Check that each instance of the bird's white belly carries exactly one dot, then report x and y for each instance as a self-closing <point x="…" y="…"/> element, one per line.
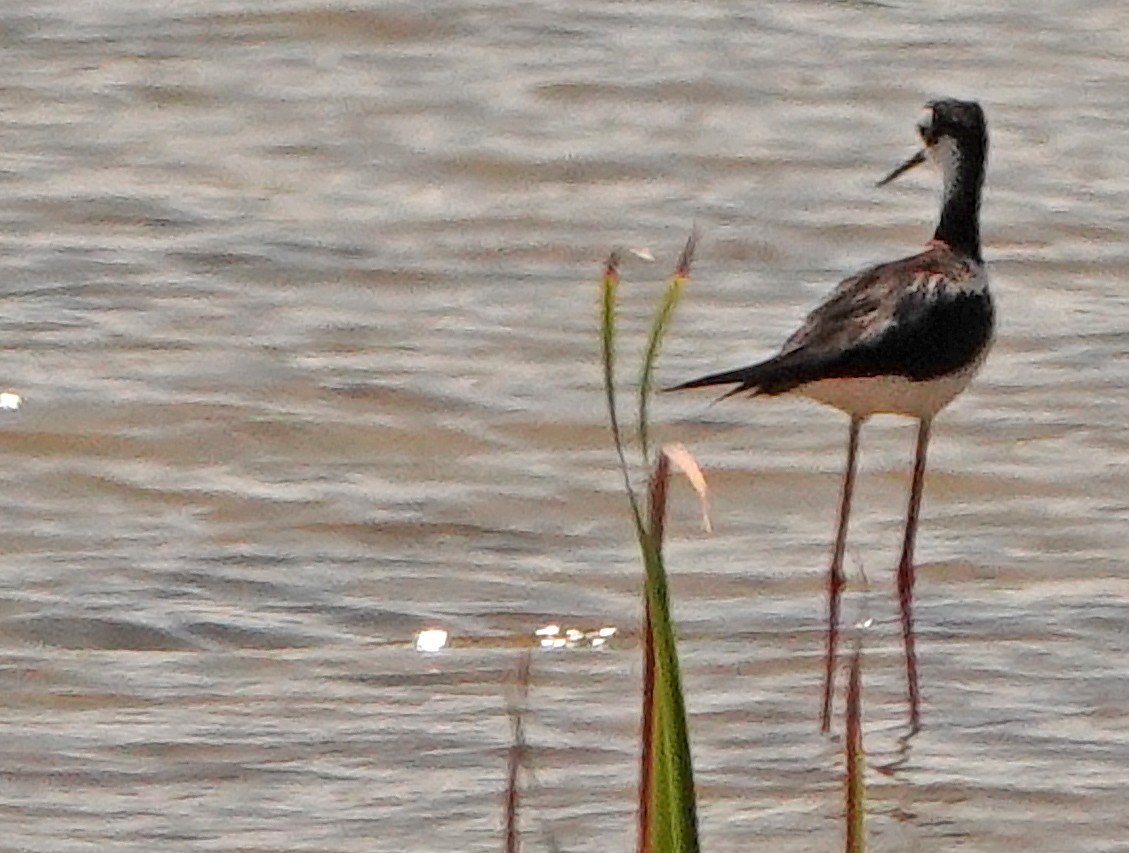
<point x="873" y="395"/>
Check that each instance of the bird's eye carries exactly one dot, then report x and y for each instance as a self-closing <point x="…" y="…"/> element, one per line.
<point x="926" y="126"/>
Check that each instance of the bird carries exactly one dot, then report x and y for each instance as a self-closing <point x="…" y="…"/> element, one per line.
<point x="904" y="337"/>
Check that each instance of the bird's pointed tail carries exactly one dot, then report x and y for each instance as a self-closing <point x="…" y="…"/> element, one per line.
<point x="775" y="376"/>
<point x="744" y="379"/>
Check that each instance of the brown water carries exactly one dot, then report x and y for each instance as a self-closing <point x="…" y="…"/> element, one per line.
<point x="301" y="303"/>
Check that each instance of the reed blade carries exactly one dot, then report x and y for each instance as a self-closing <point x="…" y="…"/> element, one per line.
<point x="855" y="758"/>
<point x="672" y="806"/>
<point x="659" y="327"/>
<point x="668" y="821"/>
<point x="517" y="755"/>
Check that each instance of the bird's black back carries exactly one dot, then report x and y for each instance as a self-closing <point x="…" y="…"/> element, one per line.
<point x="919" y="317"/>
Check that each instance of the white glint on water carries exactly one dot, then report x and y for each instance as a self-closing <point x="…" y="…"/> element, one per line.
<point x="556" y="637"/>
<point x="431" y="640"/>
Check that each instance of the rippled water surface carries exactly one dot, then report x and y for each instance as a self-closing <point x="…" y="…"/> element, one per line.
<point x="300" y="299"/>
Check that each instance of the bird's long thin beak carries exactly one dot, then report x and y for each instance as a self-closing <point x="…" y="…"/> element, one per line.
<point x="916" y="160"/>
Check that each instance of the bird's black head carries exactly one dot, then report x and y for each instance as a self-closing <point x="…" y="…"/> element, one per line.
<point x="951" y="130"/>
<point x="961" y="121"/>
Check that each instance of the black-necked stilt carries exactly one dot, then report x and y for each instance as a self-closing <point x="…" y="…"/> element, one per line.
<point x="905" y="337"/>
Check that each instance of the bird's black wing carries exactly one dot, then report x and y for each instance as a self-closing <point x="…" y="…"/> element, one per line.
<point x="885" y="320"/>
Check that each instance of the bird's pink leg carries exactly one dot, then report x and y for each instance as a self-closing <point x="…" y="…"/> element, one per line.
<point x="905" y="572"/>
<point x="835" y="578"/>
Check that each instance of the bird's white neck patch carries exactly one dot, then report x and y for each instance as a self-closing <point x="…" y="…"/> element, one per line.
<point x="945" y="154"/>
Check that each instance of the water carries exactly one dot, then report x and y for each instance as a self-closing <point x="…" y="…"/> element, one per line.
<point x="301" y="303"/>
